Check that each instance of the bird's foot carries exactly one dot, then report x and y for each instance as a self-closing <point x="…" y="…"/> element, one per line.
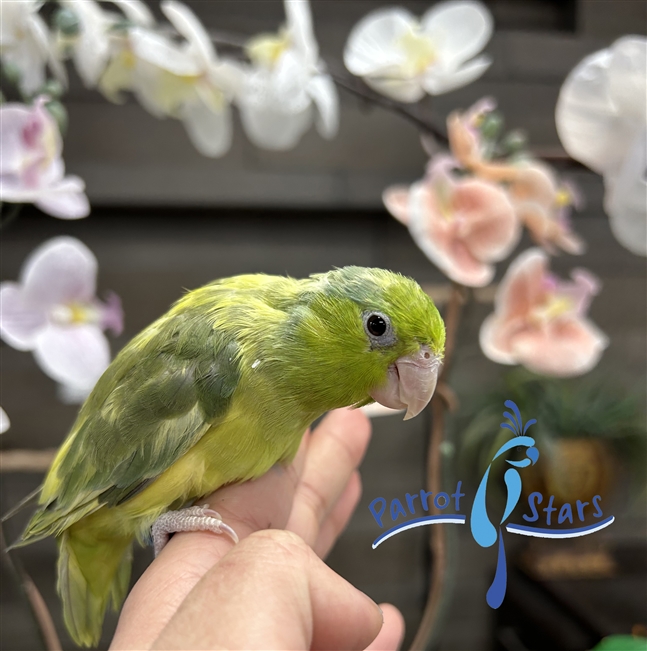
<point x="195" y="518"/>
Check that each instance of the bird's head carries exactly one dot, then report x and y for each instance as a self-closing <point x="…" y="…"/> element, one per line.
<point x="368" y="334"/>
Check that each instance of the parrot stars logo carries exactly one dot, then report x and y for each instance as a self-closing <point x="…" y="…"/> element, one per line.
<point x="484" y="532"/>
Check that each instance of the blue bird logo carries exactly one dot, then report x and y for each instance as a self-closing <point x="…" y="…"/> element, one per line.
<point x="483" y="531"/>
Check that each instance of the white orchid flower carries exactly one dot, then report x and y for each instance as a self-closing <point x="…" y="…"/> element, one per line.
<point x="601" y="119"/>
<point x="286" y="83"/>
<point x="53" y="312"/>
<point x="5" y="424"/>
<point x="403" y="57"/>
<point x="31" y="167"/>
<point x="188" y="82"/>
<point x="25" y="43"/>
<point x="98" y="42"/>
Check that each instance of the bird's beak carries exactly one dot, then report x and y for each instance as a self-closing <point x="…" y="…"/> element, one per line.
<point x="410" y="383"/>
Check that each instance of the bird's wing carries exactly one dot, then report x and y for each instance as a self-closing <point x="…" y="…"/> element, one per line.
<point x="156" y="400"/>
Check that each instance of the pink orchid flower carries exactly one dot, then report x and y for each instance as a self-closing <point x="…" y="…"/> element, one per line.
<point x="539" y="321"/>
<point x="541" y="202"/>
<point x="54" y="313"/>
<point x="31" y="167"/>
<point x="462" y="225"/>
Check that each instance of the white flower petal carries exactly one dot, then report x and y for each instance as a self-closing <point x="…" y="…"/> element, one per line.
<point x="372" y="47"/>
<point x="163" y="53"/>
<point x="625" y="200"/>
<point x="459" y="30"/>
<point x="437" y="82"/>
<point x="62" y="270"/>
<point x="628" y="78"/>
<point x="587" y="121"/>
<point x="210" y="131"/>
<point x="40" y="33"/>
<point x="273" y="129"/>
<point x="228" y="76"/>
<point x="288" y="83"/>
<point x="71" y="394"/>
<point x="65" y="199"/>
<point x="73" y="355"/>
<point x="29" y="61"/>
<point x="4" y="421"/>
<point x="299" y="22"/>
<point x="136" y="11"/>
<point x="188" y="25"/>
<point x="399" y="89"/>
<point x="21" y="320"/>
<point x="323" y="92"/>
<point x="92" y="48"/>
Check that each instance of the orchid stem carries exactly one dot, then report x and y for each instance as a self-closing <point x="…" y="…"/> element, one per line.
<point x="428" y="630"/>
<point x="360" y="90"/>
<point x="40" y="612"/>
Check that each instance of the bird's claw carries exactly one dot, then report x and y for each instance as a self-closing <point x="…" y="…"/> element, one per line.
<point x="194" y="518"/>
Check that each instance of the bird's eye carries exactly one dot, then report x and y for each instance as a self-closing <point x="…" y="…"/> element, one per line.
<point x="376" y="325"/>
<point x="378" y="328"/>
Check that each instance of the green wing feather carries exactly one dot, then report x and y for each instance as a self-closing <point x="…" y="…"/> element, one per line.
<point x="156" y="400"/>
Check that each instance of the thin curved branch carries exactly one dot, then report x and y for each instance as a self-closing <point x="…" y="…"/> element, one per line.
<point x="42" y="616"/>
<point x="357" y="88"/>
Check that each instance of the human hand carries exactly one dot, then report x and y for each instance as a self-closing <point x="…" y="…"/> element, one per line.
<point x="270" y="590"/>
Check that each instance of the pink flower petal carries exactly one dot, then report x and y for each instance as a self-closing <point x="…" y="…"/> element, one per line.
<point x="464" y="268"/>
<point x="495" y="337"/>
<point x="437" y="236"/>
<point x="396" y="201"/>
<point x="21" y="320"/>
<point x="567" y="347"/>
<point x="112" y="314"/>
<point x="29" y="135"/>
<point x="464" y="141"/>
<point x="62" y="270"/>
<point x="533" y="182"/>
<point x="491" y="229"/>
<point x="73" y="355"/>
<point x="523" y="287"/>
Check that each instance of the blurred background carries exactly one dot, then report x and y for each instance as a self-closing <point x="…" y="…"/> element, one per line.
<point x="165" y="219"/>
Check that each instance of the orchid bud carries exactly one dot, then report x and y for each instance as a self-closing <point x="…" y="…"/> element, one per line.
<point x="491" y="125"/>
<point x="67" y="22"/>
<point x="11" y="73"/>
<point x="52" y="88"/>
<point x="514" y="141"/>
<point x="59" y="113"/>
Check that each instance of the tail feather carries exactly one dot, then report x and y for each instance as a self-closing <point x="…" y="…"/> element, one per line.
<point x="91" y="571"/>
<point x="25" y="501"/>
<point x="121" y="582"/>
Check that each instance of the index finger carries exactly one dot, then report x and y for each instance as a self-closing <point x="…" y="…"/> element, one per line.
<point x="335" y="450"/>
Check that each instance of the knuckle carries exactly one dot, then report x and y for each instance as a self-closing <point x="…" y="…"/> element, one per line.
<point x="279" y="543"/>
